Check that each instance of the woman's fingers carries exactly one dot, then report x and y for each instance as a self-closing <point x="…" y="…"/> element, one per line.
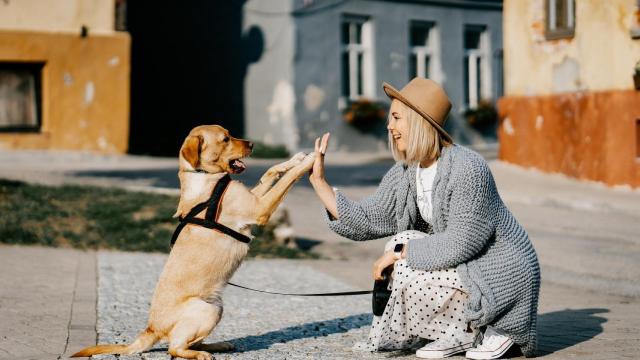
<point x="325" y="142"/>
<point x="317" y="147"/>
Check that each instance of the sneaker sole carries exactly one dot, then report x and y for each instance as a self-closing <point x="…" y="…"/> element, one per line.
<point x="487" y="355"/>
<point x="439" y="354"/>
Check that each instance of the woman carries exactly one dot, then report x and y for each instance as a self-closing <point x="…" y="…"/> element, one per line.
<point x="465" y="275"/>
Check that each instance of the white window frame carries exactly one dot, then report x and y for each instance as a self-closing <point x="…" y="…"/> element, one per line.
<point x="431" y="50"/>
<point x="552" y="31"/>
<point x="365" y="48"/>
<point x="472" y="55"/>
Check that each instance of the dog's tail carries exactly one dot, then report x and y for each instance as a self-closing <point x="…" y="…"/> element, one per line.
<point x="145" y="340"/>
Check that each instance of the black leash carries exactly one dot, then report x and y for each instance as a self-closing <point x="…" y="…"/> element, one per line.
<point x="210" y="220"/>
<point x="360" y="292"/>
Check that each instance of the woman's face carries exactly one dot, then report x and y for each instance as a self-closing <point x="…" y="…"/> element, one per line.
<point x="398" y="125"/>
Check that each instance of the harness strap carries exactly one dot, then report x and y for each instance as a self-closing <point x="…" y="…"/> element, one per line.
<point x="210" y="220"/>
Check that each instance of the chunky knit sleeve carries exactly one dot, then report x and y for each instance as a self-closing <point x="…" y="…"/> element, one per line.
<point x="371" y="218"/>
<point x="470" y="223"/>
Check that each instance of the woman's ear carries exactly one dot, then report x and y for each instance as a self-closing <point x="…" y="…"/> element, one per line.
<point x="191" y="150"/>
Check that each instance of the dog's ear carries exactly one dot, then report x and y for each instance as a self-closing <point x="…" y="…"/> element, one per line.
<point x="191" y="150"/>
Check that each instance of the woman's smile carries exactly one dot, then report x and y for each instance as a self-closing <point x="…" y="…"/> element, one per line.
<point x="397" y="125"/>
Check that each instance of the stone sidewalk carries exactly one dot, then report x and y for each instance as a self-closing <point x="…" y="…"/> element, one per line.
<point x="586" y="236"/>
<point x="47" y="301"/>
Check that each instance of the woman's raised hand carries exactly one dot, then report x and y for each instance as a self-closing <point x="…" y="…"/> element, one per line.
<point x="317" y="171"/>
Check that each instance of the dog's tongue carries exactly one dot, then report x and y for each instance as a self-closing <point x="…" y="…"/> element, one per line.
<point x="239" y="166"/>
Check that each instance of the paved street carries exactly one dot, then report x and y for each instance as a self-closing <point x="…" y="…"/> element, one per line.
<point x="586" y="236"/>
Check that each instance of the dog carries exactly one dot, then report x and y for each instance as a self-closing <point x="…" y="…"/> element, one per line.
<point x="187" y="301"/>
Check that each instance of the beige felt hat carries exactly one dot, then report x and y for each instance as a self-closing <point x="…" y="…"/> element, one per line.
<point x="425" y="97"/>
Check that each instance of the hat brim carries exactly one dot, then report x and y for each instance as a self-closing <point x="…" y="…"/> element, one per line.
<point x="393" y="93"/>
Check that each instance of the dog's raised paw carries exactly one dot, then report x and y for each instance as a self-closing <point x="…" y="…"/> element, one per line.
<point x="298" y="157"/>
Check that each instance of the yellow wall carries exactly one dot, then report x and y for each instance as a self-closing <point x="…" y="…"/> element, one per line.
<point x="57" y="15"/>
<point x="601" y="55"/>
<point x="85" y="88"/>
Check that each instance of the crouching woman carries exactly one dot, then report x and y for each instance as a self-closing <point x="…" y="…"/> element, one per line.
<point x="465" y="275"/>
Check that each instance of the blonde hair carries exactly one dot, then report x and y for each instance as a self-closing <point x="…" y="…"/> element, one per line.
<point x="424" y="142"/>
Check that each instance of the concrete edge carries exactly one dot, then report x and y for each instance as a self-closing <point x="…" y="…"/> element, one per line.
<point x="82" y="325"/>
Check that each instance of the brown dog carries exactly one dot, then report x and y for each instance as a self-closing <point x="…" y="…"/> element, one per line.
<point x="187" y="302"/>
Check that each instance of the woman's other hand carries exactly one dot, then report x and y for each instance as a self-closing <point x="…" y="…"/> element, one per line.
<point x="316" y="174"/>
<point x="386" y="260"/>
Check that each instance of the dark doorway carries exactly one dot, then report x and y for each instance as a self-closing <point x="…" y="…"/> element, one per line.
<point x="188" y="63"/>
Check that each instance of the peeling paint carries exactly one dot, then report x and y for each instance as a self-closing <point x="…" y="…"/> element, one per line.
<point x="113" y="61"/>
<point x="313" y="97"/>
<point x="67" y="79"/>
<point x="281" y="113"/>
<point x="89" y="92"/>
<point x="103" y="143"/>
<point x="566" y="76"/>
<point x="539" y="122"/>
<point x="508" y="127"/>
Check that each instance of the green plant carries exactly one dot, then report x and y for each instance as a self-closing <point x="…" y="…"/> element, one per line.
<point x="266" y="151"/>
<point x="364" y="114"/>
<point x="87" y="217"/>
<point x="482" y="117"/>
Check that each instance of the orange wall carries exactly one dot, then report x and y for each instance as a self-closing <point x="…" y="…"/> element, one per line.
<point x="85" y="90"/>
<point x="587" y="135"/>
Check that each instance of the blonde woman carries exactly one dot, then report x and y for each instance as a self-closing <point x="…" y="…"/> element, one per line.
<point x="465" y="275"/>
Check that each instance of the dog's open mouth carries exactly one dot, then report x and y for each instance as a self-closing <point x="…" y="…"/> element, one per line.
<point x="237" y="166"/>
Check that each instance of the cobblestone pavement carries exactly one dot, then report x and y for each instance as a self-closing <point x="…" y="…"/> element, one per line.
<point x="573" y="323"/>
<point x="261" y="326"/>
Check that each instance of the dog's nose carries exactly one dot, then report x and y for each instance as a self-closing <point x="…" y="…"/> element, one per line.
<point x="250" y="145"/>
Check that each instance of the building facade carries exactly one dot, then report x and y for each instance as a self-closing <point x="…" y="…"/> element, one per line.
<point x="320" y="57"/>
<point x="64" y="76"/>
<point x="570" y="105"/>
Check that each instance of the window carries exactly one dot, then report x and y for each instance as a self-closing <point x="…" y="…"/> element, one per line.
<point x="477" y="69"/>
<point x="424" y="59"/>
<point x="560" y="19"/>
<point x="20" y="96"/>
<point x="357" y="65"/>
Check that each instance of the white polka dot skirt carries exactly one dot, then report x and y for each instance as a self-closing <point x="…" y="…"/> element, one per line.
<point x="423" y="305"/>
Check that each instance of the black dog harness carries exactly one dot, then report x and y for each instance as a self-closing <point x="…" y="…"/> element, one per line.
<point x="210" y="220"/>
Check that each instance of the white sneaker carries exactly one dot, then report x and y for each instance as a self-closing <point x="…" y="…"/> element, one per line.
<point x="442" y="348"/>
<point x="494" y="344"/>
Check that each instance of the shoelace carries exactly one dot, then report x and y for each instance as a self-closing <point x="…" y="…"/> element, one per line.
<point x="492" y="341"/>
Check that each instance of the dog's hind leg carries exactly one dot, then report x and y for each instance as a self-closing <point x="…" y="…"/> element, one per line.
<point x="197" y="320"/>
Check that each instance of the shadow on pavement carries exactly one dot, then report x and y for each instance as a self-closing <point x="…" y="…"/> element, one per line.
<point x="561" y="329"/>
<point x="337" y="175"/>
<point x="308" y="330"/>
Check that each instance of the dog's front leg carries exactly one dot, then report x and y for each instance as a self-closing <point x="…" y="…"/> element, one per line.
<point x="267" y="204"/>
<point x="275" y="173"/>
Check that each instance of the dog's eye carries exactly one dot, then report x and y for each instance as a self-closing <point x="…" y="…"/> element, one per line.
<point x="226" y="139"/>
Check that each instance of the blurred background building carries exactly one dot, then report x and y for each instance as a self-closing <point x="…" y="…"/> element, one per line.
<point x="324" y="61"/>
<point x="64" y="76"/>
<point x="570" y="105"/>
<point x="120" y="76"/>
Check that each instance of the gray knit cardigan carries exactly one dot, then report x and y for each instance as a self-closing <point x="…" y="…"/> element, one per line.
<point x="472" y="231"/>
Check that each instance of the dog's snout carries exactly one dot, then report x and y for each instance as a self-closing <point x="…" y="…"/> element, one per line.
<point x="250" y="145"/>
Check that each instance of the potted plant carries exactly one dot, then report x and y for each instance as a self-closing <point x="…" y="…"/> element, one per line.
<point x="636" y="76"/>
<point x="483" y="117"/>
<point x="365" y="115"/>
